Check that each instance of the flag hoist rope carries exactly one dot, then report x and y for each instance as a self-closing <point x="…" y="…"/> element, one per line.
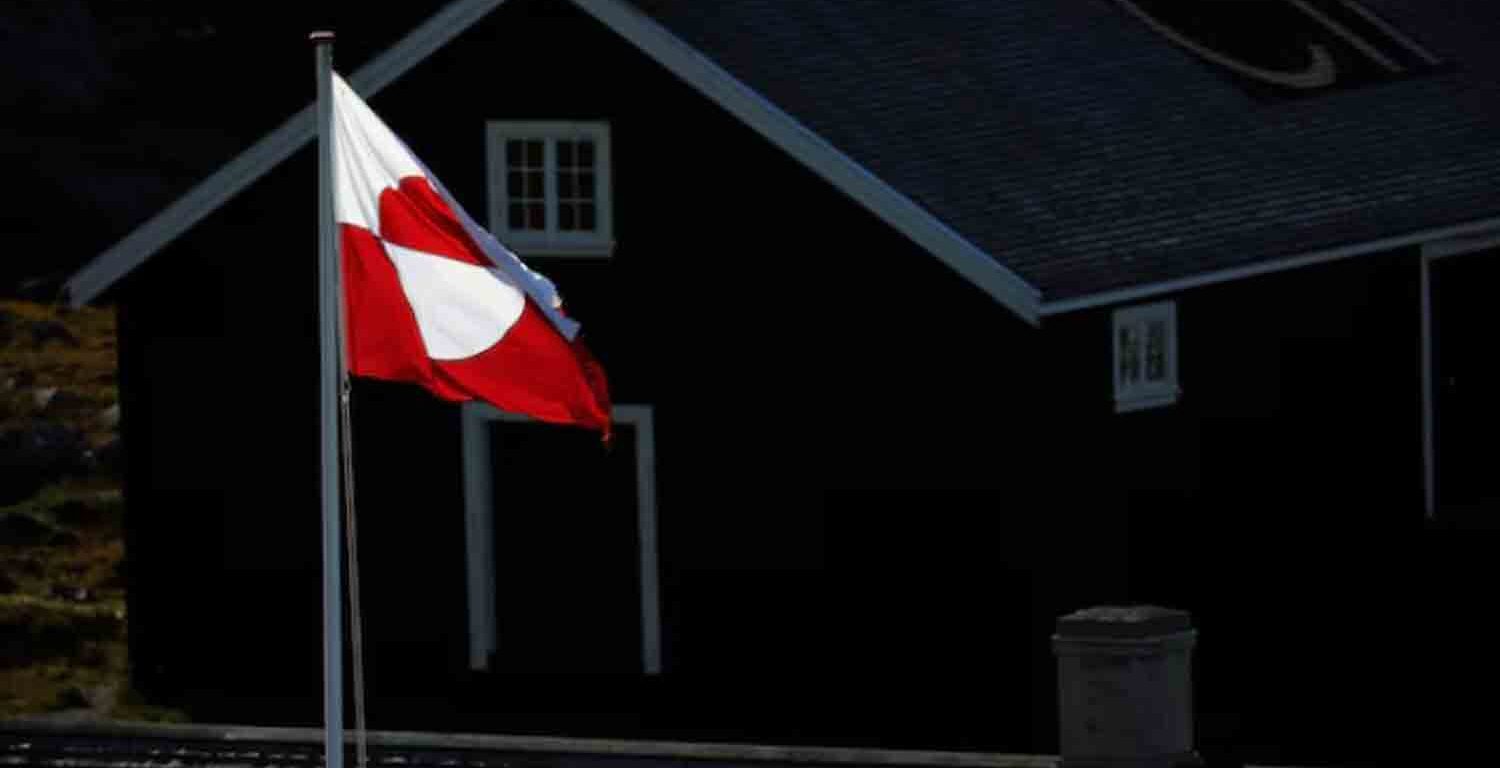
<point x="356" y="619"/>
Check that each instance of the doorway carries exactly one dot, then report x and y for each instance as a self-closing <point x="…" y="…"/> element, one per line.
<point x="561" y="548"/>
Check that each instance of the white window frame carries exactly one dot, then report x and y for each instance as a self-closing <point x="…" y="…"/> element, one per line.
<point x="1143" y="393"/>
<point x="552" y="241"/>
<point x="479" y="509"/>
<point x="1431" y="252"/>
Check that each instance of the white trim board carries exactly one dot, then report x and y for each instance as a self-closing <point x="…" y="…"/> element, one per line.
<point x="552" y="239"/>
<point x="1431" y="252"/>
<point x="1135" y="293"/>
<point x="479" y="505"/>
<point x="249" y="166"/>
<point x="652" y="39"/>
<point x="821" y="157"/>
<point x="1429" y="462"/>
<point x="702" y="74"/>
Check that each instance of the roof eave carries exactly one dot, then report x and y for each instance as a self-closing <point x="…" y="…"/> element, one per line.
<point x="688" y="64"/>
<point x="249" y="166"/>
<point x="1149" y="290"/>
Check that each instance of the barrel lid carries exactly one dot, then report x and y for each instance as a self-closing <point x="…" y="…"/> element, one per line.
<point x="1124" y="621"/>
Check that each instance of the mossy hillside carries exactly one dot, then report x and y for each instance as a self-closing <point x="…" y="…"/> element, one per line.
<point x="62" y="574"/>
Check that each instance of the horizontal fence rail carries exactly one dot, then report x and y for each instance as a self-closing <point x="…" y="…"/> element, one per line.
<point x="43" y="744"/>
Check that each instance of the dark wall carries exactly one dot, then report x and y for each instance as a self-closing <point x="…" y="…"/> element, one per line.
<point x="813" y="374"/>
<point x="1272" y="498"/>
<point x="1454" y="571"/>
<point x="876" y="486"/>
<point x="797" y="361"/>
<point x="218" y="380"/>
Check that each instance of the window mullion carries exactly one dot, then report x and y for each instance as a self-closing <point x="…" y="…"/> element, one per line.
<point x="545" y="234"/>
<point x="498" y="170"/>
<point x="549" y="185"/>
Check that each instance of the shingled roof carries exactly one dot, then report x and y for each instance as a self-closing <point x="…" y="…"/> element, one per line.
<point x="1057" y="153"/>
<point x="1087" y="153"/>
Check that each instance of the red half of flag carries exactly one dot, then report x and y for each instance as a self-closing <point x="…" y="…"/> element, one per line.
<point x="427" y="303"/>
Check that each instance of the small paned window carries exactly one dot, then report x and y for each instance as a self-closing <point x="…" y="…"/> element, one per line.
<point x="550" y="188"/>
<point x="1145" y="356"/>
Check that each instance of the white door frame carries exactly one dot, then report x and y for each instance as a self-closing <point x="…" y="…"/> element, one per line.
<point x="1432" y="251"/>
<point x="479" y="507"/>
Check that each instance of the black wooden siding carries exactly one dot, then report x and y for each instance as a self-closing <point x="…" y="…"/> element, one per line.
<point x="876" y="486"/>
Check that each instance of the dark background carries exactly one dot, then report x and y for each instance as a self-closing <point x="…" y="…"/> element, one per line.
<point x="112" y="109"/>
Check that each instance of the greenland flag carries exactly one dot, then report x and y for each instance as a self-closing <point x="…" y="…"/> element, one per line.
<point x="432" y="298"/>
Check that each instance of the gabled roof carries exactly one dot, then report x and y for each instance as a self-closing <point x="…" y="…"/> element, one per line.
<point x="249" y="166"/>
<point x="891" y="205"/>
<point x="1088" y="153"/>
<point x="1057" y="153"/>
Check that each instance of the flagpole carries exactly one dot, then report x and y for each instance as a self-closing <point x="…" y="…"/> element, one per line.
<point x="328" y="347"/>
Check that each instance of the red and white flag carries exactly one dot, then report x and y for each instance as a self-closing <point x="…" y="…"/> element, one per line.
<point x="432" y="298"/>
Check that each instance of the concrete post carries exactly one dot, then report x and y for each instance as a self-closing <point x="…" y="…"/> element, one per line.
<point x="1125" y="688"/>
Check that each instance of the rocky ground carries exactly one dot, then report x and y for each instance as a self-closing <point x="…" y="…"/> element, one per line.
<point x="62" y="581"/>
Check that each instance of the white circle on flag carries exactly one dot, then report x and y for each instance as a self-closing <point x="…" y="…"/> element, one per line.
<point x="462" y="309"/>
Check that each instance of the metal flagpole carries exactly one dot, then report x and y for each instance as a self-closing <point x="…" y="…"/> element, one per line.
<point x="328" y="409"/>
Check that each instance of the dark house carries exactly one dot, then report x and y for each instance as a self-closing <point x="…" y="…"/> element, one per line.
<point x="927" y="322"/>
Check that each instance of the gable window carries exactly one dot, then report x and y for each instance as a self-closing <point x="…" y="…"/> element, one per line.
<point x="550" y="188"/>
<point x="1145" y="356"/>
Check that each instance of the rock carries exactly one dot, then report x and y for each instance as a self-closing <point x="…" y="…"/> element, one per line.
<point x="110" y="417"/>
<point x="53" y="399"/>
<point x="36" y="455"/>
<point x="71" y="594"/>
<point x="103" y="698"/>
<point x="43" y="331"/>
<point x="41" y="397"/>
<point x="23" y="529"/>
